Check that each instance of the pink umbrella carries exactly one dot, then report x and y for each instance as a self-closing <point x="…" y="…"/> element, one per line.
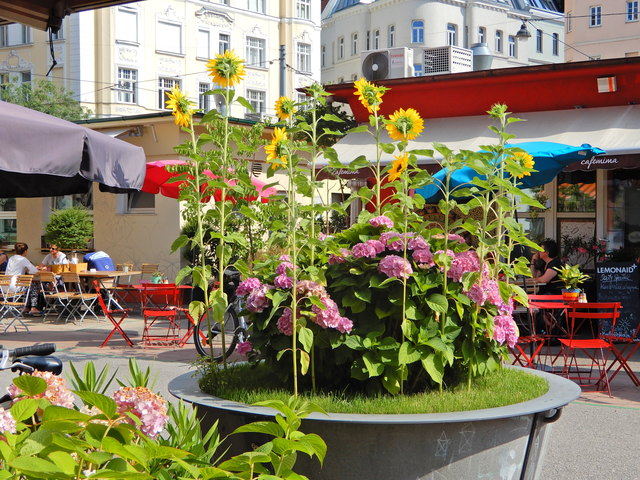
<point x="157" y="180"/>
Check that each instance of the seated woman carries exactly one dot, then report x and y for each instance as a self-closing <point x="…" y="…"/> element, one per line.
<point x="19" y="264"/>
<point x="543" y="266"/>
<point x="54" y="257"/>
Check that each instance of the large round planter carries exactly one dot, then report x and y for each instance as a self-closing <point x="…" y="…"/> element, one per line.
<point x="497" y="443"/>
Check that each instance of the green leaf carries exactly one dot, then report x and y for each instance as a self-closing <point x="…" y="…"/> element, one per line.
<point x="305" y="335"/>
<point x="305" y="361"/>
<point x="373" y="365"/>
<point x="35" y="465"/>
<point x="269" y="428"/>
<point x="36" y="442"/>
<point x="55" y="412"/>
<point x="24" y="409"/>
<point x="433" y="365"/>
<point x="408" y="354"/>
<point x="438" y="303"/>
<point x="63" y="460"/>
<point x="103" y="403"/>
<point x="243" y="101"/>
<point x="30" y="385"/>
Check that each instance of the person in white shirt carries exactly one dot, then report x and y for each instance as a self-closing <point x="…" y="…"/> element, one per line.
<point x="19" y="264"/>
<point x="54" y="257"/>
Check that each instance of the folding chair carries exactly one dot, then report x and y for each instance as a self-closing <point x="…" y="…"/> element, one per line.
<point x="14" y="296"/>
<point x="111" y="314"/>
<point x="161" y="311"/>
<point x="590" y="371"/>
<point x="631" y="344"/>
<point x="148" y="269"/>
<point x="78" y="298"/>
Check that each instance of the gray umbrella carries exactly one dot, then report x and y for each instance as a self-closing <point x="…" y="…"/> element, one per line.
<point x="45" y="156"/>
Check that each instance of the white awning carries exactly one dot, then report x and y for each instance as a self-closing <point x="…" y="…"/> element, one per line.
<point x="613" y="129"/>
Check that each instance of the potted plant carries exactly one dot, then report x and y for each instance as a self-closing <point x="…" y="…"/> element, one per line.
<point x="70" y="229"/>
<point x="157" y="277"/>
<point x="571" y="276"/>
<point x="390" y="306"/>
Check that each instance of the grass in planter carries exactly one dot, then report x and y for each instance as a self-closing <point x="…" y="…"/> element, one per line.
<point x="246" y="384"/>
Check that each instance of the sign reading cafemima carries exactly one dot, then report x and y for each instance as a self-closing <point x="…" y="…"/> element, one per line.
<point x="606" y="162"/>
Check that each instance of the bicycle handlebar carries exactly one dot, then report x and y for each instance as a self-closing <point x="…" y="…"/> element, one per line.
<point x="7" y="356"/>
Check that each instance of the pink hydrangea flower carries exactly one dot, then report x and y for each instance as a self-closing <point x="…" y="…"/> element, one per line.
<point x="323" y="236"/>
<point x="368" y="249"/>
<point x="309" y="288"/>
<point x="381" y="221"/>
<point x="329" y="317"/>
<point x="150" y="408"/>
<point x="423" y="257"/>
<point x="247" y="286"/>
<point x="340" y="258"/>
<point x="284" y="258"/>
<point x="7" y="422"/>
<point x="463" y="262"/>
<point x="344" y="325"/>
<point x="257" y="300"/>
<point x="57" y="392"/>
<point x="282" y="281"/>
<point x="244" y="347"/>
<point x="505" y="330"/>
<point x="394" y="266"/>
<point x="477" y="294"/>
<point x="417" y="243"/>
<point x="284" y="268"/>
<point x="285" y="322"/>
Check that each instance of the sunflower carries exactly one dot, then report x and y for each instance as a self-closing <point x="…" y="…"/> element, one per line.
<point x="405" y="124"/>
<point x="285" y="108"/>
<point x="524" y="163"/>
<point x="369" y="94"/>
<point x="399" y="165"/>
<point x="180" y="106"/>
<point x="226" y="69"/>
<point x="276" y="154"/>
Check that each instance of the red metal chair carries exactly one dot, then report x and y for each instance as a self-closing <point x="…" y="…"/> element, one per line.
<point x="111" y="314"/>
<point x="590" y="370"/>
<point x="161" y="310"/>
<point x="631" y="344"/>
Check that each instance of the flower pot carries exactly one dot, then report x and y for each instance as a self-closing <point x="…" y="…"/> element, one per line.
<point x="570" y="295"/>
<point x="472" y="444"/>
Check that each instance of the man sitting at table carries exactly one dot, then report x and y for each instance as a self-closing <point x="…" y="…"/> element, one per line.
<point x="54" y="257"/>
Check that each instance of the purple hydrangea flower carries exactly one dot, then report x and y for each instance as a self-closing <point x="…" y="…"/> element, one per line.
<point x="423" y="257"/>
<point x="257" y="300"/>
<point x="381" y="221"/>
<point x="283" y="281"/>
<point x="284" y="268"/>
<point x="309" y="288"/>
<point x="244" y="347"/>
<point x="394" y="266"/>
<point x="418" y="243"/>
<point x="285" y="322"/>
<point x="368" y="249"/>
<point x="247" y="286"/>
<point x="329" y="317"/>
<point x="463" y="262"/>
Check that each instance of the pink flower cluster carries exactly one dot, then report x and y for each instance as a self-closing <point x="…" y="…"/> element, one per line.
<point x="247" y="286"/>
<point x="394" y="240"/>
<point x="463" y="262"/>
<point x="368" y="249"/>
<point x="330" y="317"/>
<point x="150" y="408"/>
<point x="285" y="322"/>
<point x="57" y="392"/>
<point x="505" y="330"/>
<point x="244" y="347"/>
<point x="257" y="300"/>
<point x="7" y="422"/>
<point x="381" y="221"/>
<point x="340" y="258"/>
<point x="395" y="266"/>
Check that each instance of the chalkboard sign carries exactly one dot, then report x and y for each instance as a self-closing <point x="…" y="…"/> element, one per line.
<point x="620" y="282"/>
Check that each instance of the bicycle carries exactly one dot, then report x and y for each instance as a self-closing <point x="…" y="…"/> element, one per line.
<point x="235" y="325"/>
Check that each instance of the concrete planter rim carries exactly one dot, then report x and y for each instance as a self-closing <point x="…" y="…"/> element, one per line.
<point x="561" y="392"/>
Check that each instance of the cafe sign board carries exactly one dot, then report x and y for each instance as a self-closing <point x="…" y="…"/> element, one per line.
<point x="605" y="162"/>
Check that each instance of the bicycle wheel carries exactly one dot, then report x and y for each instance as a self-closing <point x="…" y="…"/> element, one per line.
<point x="209" y="341"/>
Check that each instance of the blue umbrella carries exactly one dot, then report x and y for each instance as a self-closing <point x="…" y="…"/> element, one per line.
<point x="549" y="157"/>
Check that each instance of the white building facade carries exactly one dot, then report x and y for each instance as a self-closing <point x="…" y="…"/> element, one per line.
<point x="350" y="27"/>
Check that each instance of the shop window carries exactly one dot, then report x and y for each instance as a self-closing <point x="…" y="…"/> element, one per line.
<point x="577" y="192"/>
<point x="623" y="214"/>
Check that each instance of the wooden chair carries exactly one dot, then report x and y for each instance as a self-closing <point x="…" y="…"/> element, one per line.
<point x="148" y="269"/>
<point x="81" y="302"/>
<point x="13" y="300"/>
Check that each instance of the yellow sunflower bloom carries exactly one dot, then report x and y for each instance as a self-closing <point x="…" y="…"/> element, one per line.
<point x="226" y="69"/>
<point x="285" y="108"/>
<point x="525" y="161"/>
<point x="276" y="153"/>
<point x="180" y="107"/>
<point x="405" y="124"/>
<point x="369" y="94"/>
<point x="399" y="165"/>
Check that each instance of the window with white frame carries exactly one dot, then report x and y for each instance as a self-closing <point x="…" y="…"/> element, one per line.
<point x="303" y="57"/>
<point x="376" y="39"/>
<point x="164" y="88"/>
<point x="127" y="85"/>
<point x="452" y="34"/>
<point x="203" y="43"/>
<point x="169" y="37"/>
<point x="323" y="55"/>
<point x="303" y="9"/>
<point x="391" y="36"/>
<point x="555" y="44"/>
<point x="632" y="11"/>
<point x="8" y="220"/>
<point x="204" y="101"/>
<point x="482" y="35"/>
<point x="257" y="100"/>
<point x="595" y="16"/>
<point x="25" y="77"/>
<point x="126" y="24"/>
<point x="499" y="41"/>
<point x="539" y="34"/>
<point x="140" y="202"/>
<point x="255" y="52"/>
<point x="513" y="46"/>
<point x="14" y="34"/>
<point x="256" y="6"/>
<point x="354" y="43"/>
<point x="303" y="101"/>
<point x="417" y="31"/>
<point x="224" y="43"/>
<point x="340" y="48"/>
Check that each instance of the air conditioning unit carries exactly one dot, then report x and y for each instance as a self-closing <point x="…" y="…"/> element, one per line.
<point x="387" y="63"/>
<point x="448" y="59"/>
<point x="256" y="117"/>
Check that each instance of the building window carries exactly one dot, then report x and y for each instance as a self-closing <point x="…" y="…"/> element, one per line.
<point x="498" y="41"/>
<point x="632" y="11"/>
<point x="255" y="52"/>
<point x="417" y="31"/>
<point x="303" y="9"/>
<point x="127" y="85"/>
<point x="323" y="55"/>
<point x="257" y="99"/>
<point x="482" y="35"/>
<point x="368" y="47"/>
<point x="141" y="202"/>
<point x="452" y="34"/>
<point x="74" y="200"/>
<point x="224" y="43"/>
<point x="8" y="222"/>
<point x="376" y="39"/>
<point x="303" y="54"/>
<point x="169" y="37"/>
<point x="203" y="44"/>
<point x="340" y="48"/>
<point x="126" y="24"/>
<point x="555" y="44"/>
<point x="14" y="34"/>
<point x="164" y="88"/>
<point x="204" y="101"/>
<point x="595" y="16"/>
<point x="25" y="77"/>
<point x="539" y="41"/>
<point x="391" y="35"/>
<point x="513" y="51"/>
<point x="354" y="44"/>
<point x="569" y="22"/>
<point x="256" y="5"/>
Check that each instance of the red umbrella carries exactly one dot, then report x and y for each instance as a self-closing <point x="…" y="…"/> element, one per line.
<point x="157" y="180"/>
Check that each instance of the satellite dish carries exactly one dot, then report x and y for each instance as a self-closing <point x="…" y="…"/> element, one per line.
<point x="376" y="66"/>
